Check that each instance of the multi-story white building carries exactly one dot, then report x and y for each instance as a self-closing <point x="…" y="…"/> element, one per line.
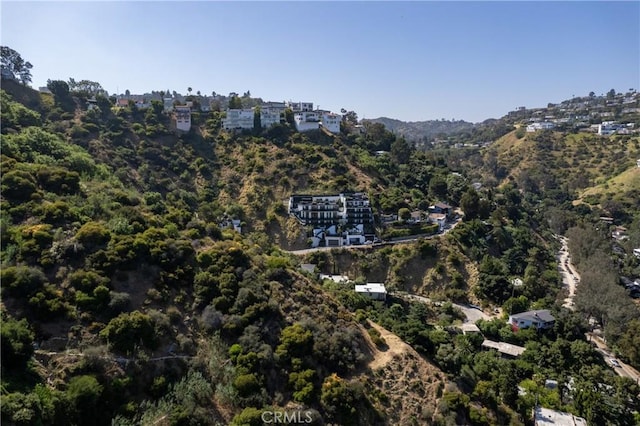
<point x="307" y="120"/>
<point x="238" y="119"/>
<point x="300" y="106"/>
<point x="182" y="114"/>
<point x="269" y="116"/>
<point x="352" y="209"/>
<point x="244" y="118"/>
<point x="544" y="125"/>
<point x="331" y="122"/>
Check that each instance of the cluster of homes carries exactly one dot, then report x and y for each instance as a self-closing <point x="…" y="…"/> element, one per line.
<point x="620" y="234"/>
<point x="374" y="291"/>
<point x="266" y="114"/>
<point x="337" y="220"/>
<point x="613" y="114"/>
<point x="305" y="117"/>
<point x="606" y="128"/>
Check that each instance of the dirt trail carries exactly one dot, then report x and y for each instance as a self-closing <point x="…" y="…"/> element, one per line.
<point x="408" y="384"/>
<point x="570" y="277"/>
<point x="396" y="347"/>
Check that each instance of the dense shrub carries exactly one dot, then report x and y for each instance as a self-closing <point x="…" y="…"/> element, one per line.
<point x="127" y="330"/>
<point x="16" y="344"/>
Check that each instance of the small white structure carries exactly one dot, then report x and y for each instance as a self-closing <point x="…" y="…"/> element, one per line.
<point x="375" y="291"/>
<point x="335" y="278"/>
<point x="438" y="218"/>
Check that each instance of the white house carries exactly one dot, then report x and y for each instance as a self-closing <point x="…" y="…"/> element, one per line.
<point x="543" y="125"/>
<point x="540" y="319"/>
<point x="307" y="120"/>
<point x="182" y="116"/>
<point x="375" y="291"/>
<point x="269" y="116"/>
<point x="331" y="122"/>
<point x="607" y="128"/>
<point x="238" y="119"/>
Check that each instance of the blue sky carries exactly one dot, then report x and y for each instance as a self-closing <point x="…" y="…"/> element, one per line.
<point x="407" y="60"/>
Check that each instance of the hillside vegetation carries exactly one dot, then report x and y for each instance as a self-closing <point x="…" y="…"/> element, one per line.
<point x="127" y="298"/>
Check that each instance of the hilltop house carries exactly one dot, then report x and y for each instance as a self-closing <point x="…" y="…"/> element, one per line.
<point x="540" y="319"/>
<point x="345" y="208"/>
<point x="543" y="125"/>
<point x="313" y="120"/>
<point x="245" y="118"/>
<point x="441" y="208"/>
<point x="182" y="117"/>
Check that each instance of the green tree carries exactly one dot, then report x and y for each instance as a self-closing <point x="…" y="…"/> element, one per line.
<point x="438" y="187"/>
<point x="14" y="64"/>
<point x="401" y="151"/>
<point x="127" y="330"/>
<point x="257" y="121"/>
<point x="84" y="393"/>
<point x="16" y="344"/>
<point x="470" y="204"/>
<point x="235" y="102"/>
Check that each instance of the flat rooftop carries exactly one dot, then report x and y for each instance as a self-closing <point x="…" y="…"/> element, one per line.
<point x="371" y="288"/>
<point x="502" y="347"/>
<point x="548" y="417"/>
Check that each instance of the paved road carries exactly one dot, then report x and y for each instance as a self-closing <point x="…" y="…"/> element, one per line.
<point x="624" y="370"/>
<point x="471" y="314"/>
<point x="570" y="277"/>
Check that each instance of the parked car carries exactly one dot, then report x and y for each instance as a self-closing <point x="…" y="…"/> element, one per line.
<point x="614" y="362"/>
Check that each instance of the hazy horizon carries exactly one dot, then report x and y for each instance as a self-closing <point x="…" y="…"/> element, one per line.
<point x="411" y="61"/>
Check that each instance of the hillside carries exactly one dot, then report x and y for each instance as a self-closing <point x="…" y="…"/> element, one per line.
<point x="614" y="187"/>
<point x="128" y="297"/>
<point x="115" y="262"/>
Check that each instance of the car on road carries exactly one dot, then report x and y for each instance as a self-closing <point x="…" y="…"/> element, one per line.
<point x="614" y="362"/>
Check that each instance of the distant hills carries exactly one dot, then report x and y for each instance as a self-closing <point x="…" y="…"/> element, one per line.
<point x="419" y="130"/>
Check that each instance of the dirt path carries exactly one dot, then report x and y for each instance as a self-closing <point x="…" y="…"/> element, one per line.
<point x="408" y="384"/>
<point x="570" y="277"/>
